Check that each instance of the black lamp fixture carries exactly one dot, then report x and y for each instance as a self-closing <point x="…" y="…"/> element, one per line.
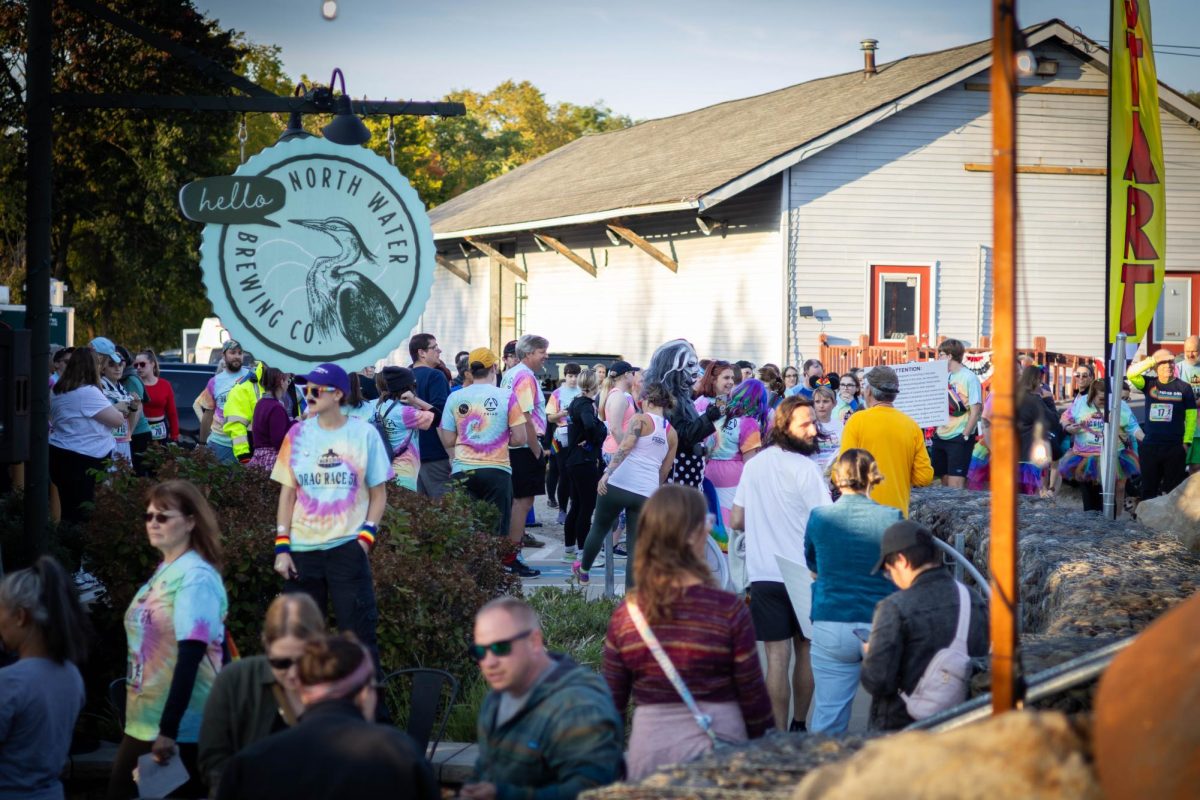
<point x="345" y="128"/>
<point x="295" y="126"/>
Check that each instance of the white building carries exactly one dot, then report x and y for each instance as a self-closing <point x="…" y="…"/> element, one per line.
<point x="858" y="203"/>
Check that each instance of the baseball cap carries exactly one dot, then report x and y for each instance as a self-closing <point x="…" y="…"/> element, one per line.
<point x="399" y="379"/>
<point x="483" y="356"/>
<point x="105" y="347"/>
<point x="619" y="368"/>
<point x="884" y="379"/>
<point x="326" y="375"/>
<point x="510" y="349"/>
<point x="230" y="344"/>
<point x="898" y="536"/>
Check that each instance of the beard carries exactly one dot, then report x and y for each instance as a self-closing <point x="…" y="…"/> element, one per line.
<point x="805" y="447"/>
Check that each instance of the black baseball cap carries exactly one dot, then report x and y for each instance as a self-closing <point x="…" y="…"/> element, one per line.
<point x="619" y="368"/>
<point x="899" y="536"/>
<point x="399" y="379"/>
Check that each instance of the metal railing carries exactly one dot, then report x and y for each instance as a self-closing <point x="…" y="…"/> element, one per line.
<point x="961" y="563"/>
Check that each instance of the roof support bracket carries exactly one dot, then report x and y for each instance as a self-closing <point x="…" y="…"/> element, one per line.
<point x="503" y="260"/>
<point x="641" y="244"/>
<point x="566" y="252"/>
<point x="451" y="267"/>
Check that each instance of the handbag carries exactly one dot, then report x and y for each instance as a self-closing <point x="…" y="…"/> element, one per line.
<point x="664" y="663"/>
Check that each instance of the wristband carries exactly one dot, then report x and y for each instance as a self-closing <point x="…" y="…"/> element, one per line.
<point x="283" y="539"/>
<point x="366" y="533"/>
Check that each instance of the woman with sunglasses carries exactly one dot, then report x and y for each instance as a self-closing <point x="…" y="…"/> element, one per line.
<point x="337" y="750"/>
<point x="333" y="470"/>
<point x="705" y="633"/>
<point x="259" y="695"/>
<point x="175" y="628"/>
<point x="159" y="409"/>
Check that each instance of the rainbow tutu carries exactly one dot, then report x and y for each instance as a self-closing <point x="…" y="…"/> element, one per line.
<point x="979" y="473"/>
<point x="1085" y="467"/>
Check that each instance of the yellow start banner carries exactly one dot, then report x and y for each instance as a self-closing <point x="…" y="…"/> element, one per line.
<point x="1137" y="223"/>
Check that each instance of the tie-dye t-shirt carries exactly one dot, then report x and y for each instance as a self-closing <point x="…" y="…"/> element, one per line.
<point x="364" y="411"/>
<point x="734" y="437"/>
<point x="526" y="388"/>
<point x="214" y="396"/>
<point x="559" y="402"/>
<point x="331" y="472"/>
<point x="481" y="416"/>
<point x="964" y="388"/>
<point x="184" y="600"/>
<point x="1089" y="439"/>
<point x="402" y="423"/>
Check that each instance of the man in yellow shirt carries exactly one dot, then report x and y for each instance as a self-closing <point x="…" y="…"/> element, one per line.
<point x="891" y="437"/>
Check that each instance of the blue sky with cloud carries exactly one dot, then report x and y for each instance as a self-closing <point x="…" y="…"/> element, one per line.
<point x="645" y="59"/>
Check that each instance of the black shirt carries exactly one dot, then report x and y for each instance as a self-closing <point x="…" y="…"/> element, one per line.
<point x="433" y="388"/>
<point x="1166" y="406"/>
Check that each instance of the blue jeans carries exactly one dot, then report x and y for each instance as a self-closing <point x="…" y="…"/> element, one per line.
<point x="224" y="454"/>
<point x="836" y="661"/>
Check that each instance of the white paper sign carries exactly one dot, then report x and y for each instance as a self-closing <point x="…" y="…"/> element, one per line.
<point x="798" y="582"/>
<point x="923" y="387"/>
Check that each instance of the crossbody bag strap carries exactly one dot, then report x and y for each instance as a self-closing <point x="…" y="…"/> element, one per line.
<point x="664" y="663"/>
<point x="964" y="618"/>
<point x="382" y="420"/>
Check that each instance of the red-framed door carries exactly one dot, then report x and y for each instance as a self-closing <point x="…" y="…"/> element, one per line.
<point x="1178" y="313"/>
<point x="901" y="304"/>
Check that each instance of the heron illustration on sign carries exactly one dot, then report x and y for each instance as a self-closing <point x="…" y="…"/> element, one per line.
<point x="341" y="300"/>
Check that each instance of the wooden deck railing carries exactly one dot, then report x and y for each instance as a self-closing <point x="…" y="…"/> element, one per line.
<point x="1059" y="367"/>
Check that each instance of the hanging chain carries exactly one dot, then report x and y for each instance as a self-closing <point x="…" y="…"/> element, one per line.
<point x="242" y="136"/>
<point x="391" y="139"/>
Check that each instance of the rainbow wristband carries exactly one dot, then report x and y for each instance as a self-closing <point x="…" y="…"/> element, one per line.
<point x="366" y="534"/>
<point x="283" y="540"/>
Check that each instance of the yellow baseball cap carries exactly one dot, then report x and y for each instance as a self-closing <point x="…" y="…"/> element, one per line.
<point x="483" y="356"/>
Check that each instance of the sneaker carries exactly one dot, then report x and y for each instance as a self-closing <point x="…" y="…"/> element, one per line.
<point x="562" y="517"/>
<point x="569" y="554"/>
<point x="579" y="572"/>
<point x="529" y="541"/>
<point x="619" y="551"/>
<point x="521" y="569"/>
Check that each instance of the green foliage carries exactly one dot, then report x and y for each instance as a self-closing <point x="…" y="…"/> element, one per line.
<point x="434" y="564"/>
<point x="17" y="551"/>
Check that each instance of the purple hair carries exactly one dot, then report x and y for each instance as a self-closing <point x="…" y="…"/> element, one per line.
<point x="749" y="399"/>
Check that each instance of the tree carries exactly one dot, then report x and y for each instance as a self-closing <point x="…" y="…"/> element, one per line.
<point x="118" y="241"/>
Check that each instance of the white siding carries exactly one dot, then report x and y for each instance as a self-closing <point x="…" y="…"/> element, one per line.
<point x="457" y="313"/>
<point x="725" y="299"/>
<point x="898" y="193"/>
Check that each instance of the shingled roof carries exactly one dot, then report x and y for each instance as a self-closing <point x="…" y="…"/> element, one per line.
<point x="677" y="160"/>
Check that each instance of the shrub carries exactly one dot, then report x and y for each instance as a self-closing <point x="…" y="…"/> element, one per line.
<point x="434" y="563"/>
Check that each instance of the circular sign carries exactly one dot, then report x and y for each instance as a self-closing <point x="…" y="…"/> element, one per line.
<point x="314" y="252"/>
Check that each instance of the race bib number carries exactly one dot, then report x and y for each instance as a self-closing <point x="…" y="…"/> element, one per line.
<point x="1161" y="412"/>
<point x="158" y="430"/>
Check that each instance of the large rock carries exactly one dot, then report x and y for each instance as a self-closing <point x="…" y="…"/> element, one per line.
<point x="1177" y="513"/>
<point x="1019" y="754"/>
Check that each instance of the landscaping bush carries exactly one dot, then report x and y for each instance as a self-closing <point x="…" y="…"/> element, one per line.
<point x="434" y="563"/>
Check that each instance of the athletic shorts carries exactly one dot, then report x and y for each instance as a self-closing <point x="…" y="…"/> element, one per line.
<point x="951" y="456"/>
<point x="528" y="473"/>
<point x="772" y="612"/>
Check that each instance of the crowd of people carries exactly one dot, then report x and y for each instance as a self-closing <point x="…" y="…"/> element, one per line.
<point x="806" y="476"/>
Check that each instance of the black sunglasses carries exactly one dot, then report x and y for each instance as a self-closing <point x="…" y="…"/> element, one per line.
<point x="504" y="648"/>
<point x="160" y="518"/>
<point x="282" y="664"/>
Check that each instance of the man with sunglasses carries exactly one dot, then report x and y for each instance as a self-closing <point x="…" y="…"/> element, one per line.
<point x="548" y="727"/>
<point x="333" y="470"/>
<point x="1170" y="423"/>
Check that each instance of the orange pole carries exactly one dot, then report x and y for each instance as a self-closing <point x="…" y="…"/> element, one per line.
<point x="1002" y="560"/>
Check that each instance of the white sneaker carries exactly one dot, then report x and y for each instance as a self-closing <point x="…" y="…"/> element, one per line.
<point x="568" y="555"/>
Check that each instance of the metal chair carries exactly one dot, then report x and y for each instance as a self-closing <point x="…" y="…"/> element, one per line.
<point x="116" y="699"/>
<point x="425" y="724"/>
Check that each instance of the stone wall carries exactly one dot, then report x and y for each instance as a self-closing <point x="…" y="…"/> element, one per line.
<point x="1084" y="581"/>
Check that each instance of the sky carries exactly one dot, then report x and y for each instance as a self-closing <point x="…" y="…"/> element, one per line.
<point x="645" y="59"/>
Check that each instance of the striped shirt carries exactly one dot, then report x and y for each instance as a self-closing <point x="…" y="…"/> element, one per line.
<point x="709" y="639"/>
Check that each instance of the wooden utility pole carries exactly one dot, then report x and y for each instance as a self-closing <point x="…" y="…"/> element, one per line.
<point x="1002" y="559"/>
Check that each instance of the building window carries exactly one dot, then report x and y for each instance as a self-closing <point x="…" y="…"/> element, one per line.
<point x="900" y="304"/>
<point x="521" y="297"/>
<point x="1178" y="314"/>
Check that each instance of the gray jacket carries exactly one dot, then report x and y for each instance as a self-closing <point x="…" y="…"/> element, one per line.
<point x="909" y="628"/>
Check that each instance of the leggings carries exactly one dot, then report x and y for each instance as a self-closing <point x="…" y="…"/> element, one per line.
<point x="582" y="480"/>
<point x="608" y="507"/>
<point x="120" y="781"/>
<point x="71" y="473"/>
<point x="558" y="485"/>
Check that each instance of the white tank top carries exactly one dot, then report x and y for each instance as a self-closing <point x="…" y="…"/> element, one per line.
<point x="638" y="473"/>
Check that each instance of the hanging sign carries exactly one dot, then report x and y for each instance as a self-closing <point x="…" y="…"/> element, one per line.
<point x="314" y="252"/>
<point x="923" y="392"/>
<point x="1137" y="223"/>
